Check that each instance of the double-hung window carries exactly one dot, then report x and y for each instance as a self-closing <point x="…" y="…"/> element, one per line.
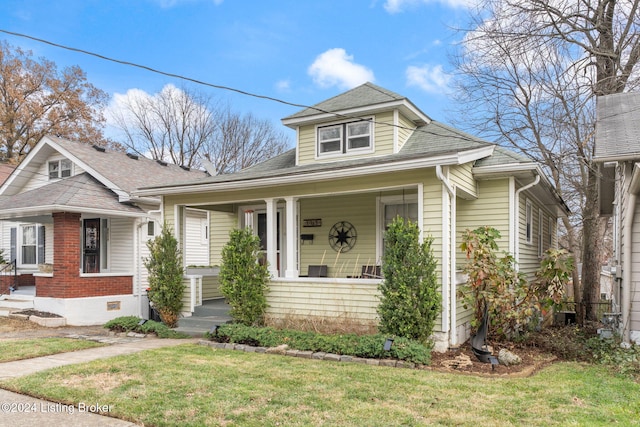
<point x="344" y="138"/>
<point x="28" y="245"/>
<point x="59" y="169"/>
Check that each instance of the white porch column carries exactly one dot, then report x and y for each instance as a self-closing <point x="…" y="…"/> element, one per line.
<point x="248" y="219"/>
<point x="272" y="237"/>
<point x="292" y="237"/>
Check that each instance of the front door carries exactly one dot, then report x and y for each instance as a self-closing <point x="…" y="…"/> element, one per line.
<point x="91" y="247"/>
<point x="262" y="234"/>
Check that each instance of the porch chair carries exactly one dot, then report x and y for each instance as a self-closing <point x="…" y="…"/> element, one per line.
<point x="371" y="272"/>
<point x="317" y="271"/>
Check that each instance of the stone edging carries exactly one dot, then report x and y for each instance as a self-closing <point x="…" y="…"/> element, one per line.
<point x="285" y="351"/>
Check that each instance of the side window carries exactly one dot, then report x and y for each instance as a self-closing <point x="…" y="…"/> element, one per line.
<point x="529" y="221"/>
<point x="151" y="229"/>
<point x="540" y="235"/>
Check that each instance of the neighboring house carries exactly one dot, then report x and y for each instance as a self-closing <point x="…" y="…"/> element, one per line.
<point x="618" y="154"/>
<point x="362" y="158"/>
<point x="75" y="231"/>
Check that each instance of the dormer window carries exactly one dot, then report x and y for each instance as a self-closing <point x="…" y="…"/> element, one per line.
<point x="344" y="138"/>
<point x="59" y="169"/>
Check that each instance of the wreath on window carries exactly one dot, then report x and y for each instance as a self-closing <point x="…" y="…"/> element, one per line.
<point x="342" y="236"/>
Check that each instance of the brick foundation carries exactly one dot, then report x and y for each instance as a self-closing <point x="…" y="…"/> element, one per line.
<point x="80" y="287"/>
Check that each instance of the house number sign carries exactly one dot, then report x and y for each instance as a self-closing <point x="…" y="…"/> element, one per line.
<point x="315" y="222"/>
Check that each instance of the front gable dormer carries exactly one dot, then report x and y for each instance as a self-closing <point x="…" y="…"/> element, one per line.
<point x="366" y="121"/>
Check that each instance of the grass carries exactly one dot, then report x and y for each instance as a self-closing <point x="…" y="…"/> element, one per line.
<point x="16" y="349"/>
<point x="192" y="385"/>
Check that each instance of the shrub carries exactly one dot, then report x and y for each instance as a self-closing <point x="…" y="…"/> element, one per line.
<point x="166" y="287"/>
<point x="410" y="301"/>
<point x="243" y="279"/>
<point x="366" y="346"/>
<point x="132" y="324"/>
<point x="513" y="303"/>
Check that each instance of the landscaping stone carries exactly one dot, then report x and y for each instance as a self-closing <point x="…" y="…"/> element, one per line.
<point x="305" y="354"/>
<point x="249" y="349"/>
<point x="292" y="353"/>
<point x="388" y="362"/>
<point x="345" y="358"/>
<point x="332" y="357"/>
<point x="507" y="358"/>
<point x="230" y="346"/>
<point x="319" y="355"/>
<point x="281" y="349"/>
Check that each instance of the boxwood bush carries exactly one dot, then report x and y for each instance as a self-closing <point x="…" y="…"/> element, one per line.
<point x="366" y="346"/>
<point x="132" y="324"/>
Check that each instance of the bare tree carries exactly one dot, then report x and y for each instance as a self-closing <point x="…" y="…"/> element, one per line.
<point x="36" y="99"/>
<point x="172" y="125"/>
<point x="184" y="126"/>
<point x="530" y="72"/>
<point x="241" y="141"/>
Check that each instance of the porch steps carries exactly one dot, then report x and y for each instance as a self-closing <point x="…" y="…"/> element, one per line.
<point x="11" y="303"/>
<point x="209" y="314"/>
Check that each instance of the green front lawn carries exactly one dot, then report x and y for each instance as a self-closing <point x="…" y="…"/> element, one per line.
<point x="25" y="349"/>
<point x="192" y="385"/>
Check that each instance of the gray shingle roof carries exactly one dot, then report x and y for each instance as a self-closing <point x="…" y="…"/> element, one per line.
<point x="126" y="173"/>
<point x="432" y="140"/>
<point x="618" y="126"/>
<point x="80" y="191"/>
<point x="367" y="94"/>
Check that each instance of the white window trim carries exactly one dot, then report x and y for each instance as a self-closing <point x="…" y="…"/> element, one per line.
<point x="528" y="222"/>
<point x="390" y="200"/>
<point x="60" y="170"/>
<point x="344" y="149"/>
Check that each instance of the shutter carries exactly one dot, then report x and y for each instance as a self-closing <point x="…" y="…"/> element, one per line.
<point x="14" y="242"/>
<point x="41" y="237"/>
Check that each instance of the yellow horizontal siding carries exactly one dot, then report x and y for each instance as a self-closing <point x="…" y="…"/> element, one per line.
<point x="405" y="130"/>
<point x="462" y="177"/>
<point x="491" y="208"/>
<point x="221" y="224"/>
<point x="359" y="210"/>
<point x="383" y="134"/>
<point x="326" y="298"/>
<point x="211" y="287"/>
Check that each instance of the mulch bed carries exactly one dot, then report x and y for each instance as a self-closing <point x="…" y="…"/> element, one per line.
<point x="38" y="313"/>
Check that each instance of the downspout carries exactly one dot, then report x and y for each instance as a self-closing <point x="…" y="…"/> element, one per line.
<point x="515" y="220"/>
<point x="626" y="272"/>
<point x="448" y="301"/>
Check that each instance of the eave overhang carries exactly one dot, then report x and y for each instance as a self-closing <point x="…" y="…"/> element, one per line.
<point x="288" y="177"/>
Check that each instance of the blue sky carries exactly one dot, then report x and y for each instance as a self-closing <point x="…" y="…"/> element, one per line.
<point x="295" y="50"/>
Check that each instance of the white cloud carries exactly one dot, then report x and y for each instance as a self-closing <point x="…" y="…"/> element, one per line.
<point x="335" y="68"/>
<point x="429" y="78"/>
<point x="397" y="6"/>
<point x="283" y="85"/>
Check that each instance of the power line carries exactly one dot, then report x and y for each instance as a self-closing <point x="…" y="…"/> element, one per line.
<point x="227" y="88"/>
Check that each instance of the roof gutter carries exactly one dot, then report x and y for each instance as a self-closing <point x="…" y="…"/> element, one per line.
<point x="298" y="178"/>
<point x="15" y="213"/>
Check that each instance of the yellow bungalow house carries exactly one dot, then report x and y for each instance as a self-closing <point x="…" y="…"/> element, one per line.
<point x="361" y="158"/>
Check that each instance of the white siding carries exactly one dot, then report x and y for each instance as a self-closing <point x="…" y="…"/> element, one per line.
<point x="40" y="176"/>
<point x="196" y="245"/>
<point x="121" y="245"/>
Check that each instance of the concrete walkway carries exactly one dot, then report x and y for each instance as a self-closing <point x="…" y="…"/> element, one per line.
<point x="17" y="410"/>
